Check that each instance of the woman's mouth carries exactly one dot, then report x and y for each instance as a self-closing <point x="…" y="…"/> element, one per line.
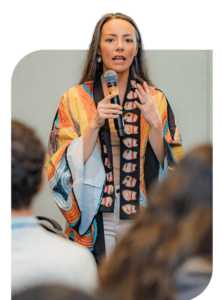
<point x="119" y="58"/>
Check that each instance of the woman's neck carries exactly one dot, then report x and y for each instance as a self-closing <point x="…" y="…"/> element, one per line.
<point x="25" y="212"/>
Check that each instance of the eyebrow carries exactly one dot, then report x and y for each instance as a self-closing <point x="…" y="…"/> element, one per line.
<point x="112" y="34"/>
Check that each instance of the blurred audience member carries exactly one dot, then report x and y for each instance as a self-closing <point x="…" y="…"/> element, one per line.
<point x="167" y="254"/>
<point x="39" y="256"/>
<point x="52" y="292"/>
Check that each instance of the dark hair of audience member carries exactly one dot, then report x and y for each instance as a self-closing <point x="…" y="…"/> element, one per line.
<point x="176" y="225"/>
<point x="27" y="160"/>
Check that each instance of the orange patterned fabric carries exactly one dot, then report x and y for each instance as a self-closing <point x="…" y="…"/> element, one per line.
<point x="76" y="110"/>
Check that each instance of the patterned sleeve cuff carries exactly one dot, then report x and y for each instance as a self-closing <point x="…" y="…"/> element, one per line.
<point x="88" y="181"/>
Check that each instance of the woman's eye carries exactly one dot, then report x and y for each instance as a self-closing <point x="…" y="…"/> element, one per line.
<point x="109" y="40"/>
<point x="129" y="40"/>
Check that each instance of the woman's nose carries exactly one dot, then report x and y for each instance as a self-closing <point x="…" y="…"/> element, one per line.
<point x="119" y="45"/>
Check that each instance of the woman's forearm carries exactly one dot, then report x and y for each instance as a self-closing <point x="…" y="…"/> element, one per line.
<point x="157" y="143"/>
<point x="89" y="139"/>
<point x="155" y="137"/>
<point x="104" y="111"/>
<point x="150" y="113"/>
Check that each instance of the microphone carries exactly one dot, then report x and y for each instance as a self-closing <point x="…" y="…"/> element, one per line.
<point x="111" y="79"/>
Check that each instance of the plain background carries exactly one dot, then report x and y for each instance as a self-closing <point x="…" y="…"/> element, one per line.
<point x="42" y="77"/>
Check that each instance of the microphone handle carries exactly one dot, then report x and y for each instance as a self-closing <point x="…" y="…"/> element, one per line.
<point x="119" y="125"/>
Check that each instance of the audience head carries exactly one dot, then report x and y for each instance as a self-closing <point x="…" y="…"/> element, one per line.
<point x="187" y="180"/>
<point x="176" y="225"/>
<point x="54" y="292"/>
<point x="27" y="160"/>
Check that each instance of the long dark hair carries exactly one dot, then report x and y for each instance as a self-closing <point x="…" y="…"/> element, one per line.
<point x="92" y="68"/>
<point x="175" y="226"/>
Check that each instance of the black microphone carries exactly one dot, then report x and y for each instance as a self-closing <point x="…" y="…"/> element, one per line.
<point x="111" y="79"/>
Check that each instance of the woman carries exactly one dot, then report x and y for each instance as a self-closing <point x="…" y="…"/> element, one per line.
<point x="167" y="254"/>
<point x="86" y="159"/>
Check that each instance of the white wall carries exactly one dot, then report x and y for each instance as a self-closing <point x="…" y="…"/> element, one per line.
<point x="40" y="79"/>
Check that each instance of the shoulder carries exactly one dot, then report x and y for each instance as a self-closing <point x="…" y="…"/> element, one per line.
<point x="78" y="92"/>
<point x="159" y="96"/>
<point x="156" y="91"/>
<point x="85" y="85"/>
<point x="74" y="257"/>
<point x="58" y="245"/>
<point x="53" y="259"/>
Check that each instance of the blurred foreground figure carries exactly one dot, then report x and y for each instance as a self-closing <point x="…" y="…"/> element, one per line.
<point x="39" y="256"/>
<point x="167" y="254"/>
<point x="52" y="292"/>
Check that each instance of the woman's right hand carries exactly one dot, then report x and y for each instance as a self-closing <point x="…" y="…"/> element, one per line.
<point x="106" y="110"/>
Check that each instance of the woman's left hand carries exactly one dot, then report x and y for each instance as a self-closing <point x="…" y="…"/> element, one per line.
<point x="148" y="106"/>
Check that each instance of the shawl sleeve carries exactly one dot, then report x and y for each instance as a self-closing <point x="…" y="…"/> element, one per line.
<point x="172" y="141"/>
<point x="76" y="188"/>
<point x="172" y="136"/>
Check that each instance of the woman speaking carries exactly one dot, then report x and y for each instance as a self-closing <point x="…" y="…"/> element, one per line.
<point x="98" y="179"/>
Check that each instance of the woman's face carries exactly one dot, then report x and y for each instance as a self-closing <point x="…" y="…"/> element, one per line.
<point x="109" y="189"/>
<point x="129" y="209"/>
<point x="129" y="195"/>
<point x="130" y="129"/>
<point x="107" y="201"/>
<point x="118" y="45"/>
<point x="129" y="181"/>
<point x="129" y="167"/>
<point x="129" y="142"/>
<point x="130" y="117"/>
<point x="128" y="154"/>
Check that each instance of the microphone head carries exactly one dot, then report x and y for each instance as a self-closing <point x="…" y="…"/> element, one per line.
<point x="110" y="76"/>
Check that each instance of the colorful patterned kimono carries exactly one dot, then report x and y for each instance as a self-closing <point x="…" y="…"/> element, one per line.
<point x="81" y="190"/>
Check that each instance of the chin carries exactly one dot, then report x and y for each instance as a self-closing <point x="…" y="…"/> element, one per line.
<point x="116" y="68"/>
<point x="120" y="69"/>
